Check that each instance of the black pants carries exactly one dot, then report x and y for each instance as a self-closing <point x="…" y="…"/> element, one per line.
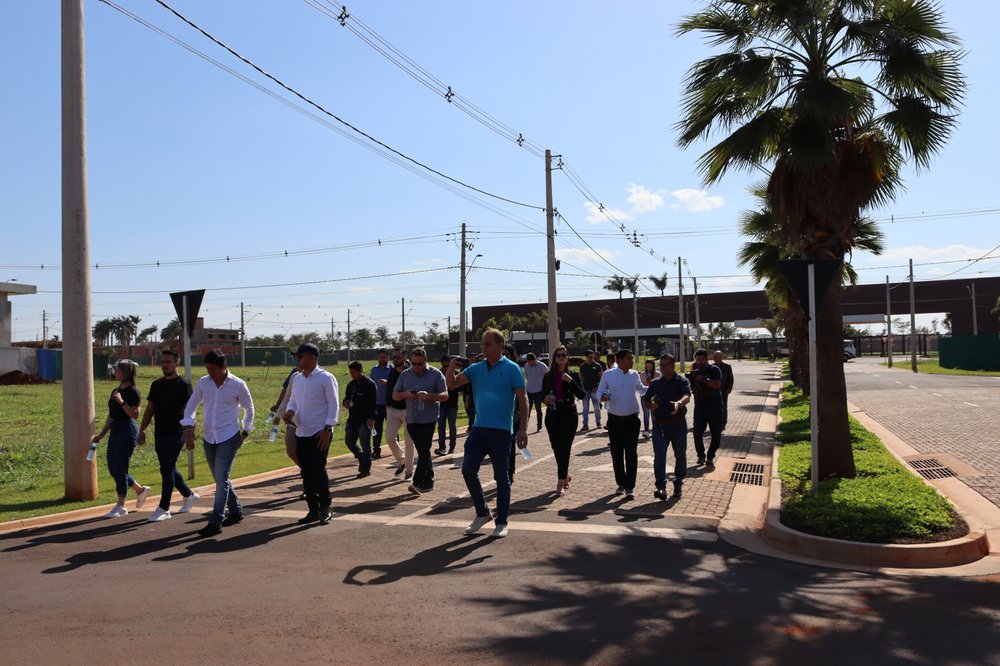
<point x="423" y="440"/>
<point x="623" y="431"/>
<point x="725" y="410"/>
<point x="535" y="402"/>
<point x="561" y="425"/>
<point x="168" y="447"/>
<point x="315" y="481"/>
<point x="712" y="418"/>
<point x="379" y="426"/>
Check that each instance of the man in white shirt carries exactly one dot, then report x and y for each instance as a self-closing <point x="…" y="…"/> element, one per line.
<point x="223" y="394"/>
<point x="620" y="389"/>
<point x="315" y="406"/>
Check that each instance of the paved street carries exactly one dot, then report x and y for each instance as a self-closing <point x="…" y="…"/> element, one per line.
<point x="935" y="414"/>
<point x="584" y="579"/>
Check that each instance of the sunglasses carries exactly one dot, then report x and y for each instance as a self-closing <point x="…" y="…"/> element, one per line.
<point x="418" y="364"/>
<point x="560" y="356"/>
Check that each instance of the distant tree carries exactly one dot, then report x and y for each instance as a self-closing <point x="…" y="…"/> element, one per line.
<point x="489" y="323"/>
<point x="510" y="323"/>
<point x="333" y="340"/>
<point x="996" y="309"/>
<point x="946" y="323"/>
<point x="852" y="332"/>
<point x="434" y="336"/>
<point x="579" y="339"/>
<point x="382" y="337"/>
<point x="617" y="283"/>
<point x="773" y="326"/>
<point x="297" y="339"/>
<point x="102" y="331"/>
<point x="659" y="282"/>
<point x="900" y="326"/>
<point x="535" y="320"/>
<point x="171" y="330"/>
<point x="267" y="341"/>
<point x="362" y="338"/>
<point x="147" y="332"/>
<point x="604" y="311"/>
<point x="723" y="330"/>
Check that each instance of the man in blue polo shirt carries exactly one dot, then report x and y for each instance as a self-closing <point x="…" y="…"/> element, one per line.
<point x="495" y="381"/>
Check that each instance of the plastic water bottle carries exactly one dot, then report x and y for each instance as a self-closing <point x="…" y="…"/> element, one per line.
<point x="274" y="433"/>
<point x="92" y="452"/>
<point x="270" y="418"/>
<point x="525" y="453"/>
<point x="552" y="400"/>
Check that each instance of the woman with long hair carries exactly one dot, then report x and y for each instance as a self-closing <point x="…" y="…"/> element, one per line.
<point x="561" y="388"/>
<point x="649" y="374"/>
<point x="123" y="410"/>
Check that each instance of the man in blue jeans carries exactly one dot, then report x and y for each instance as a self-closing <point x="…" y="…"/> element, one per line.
<point x="706" y="384"/>
<point x="223" y="394"/>
<point x="495" y="381"/>
<point x="667" y="397"/>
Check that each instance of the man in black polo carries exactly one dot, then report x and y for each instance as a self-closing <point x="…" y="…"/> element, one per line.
<point x="359" y="399"/>
<point x="590" y="376"/>
<point x="727" y="384"/>
<point x="165" y="401"/>
<point x="706" y="382"/>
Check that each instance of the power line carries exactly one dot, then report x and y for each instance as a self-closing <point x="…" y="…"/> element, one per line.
<point x="974" y="261"/>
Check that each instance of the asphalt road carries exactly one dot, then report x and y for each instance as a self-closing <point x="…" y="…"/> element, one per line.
<point x="363" y="592"/>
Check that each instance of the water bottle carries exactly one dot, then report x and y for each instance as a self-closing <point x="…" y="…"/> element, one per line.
<point x="525" y="453"/>
<point x="552" y="400"/>
<point x="274" y="433"/>
<point x="270" y="418"/>
<point x="420" y="404"/>
<point x="91" y="452"/>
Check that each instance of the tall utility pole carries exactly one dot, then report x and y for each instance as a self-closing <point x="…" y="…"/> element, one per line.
<point x="45" y="329"/>
<point x="697" y="312"/>
<point x="79" y="476"/>
<point x="186" y="340"/>
<point x="680" y="315"/>
<point x="402" y="335"/>
<point x="243" y="338"/>
<point x="888" y="323"/>
<point x="550" y="244"/>
<point x="913" y="323"/>
<point x="333" y="333"/>
<point x="635" y="320"/>
<point x="348" y="339"/>
<point x="972" y="291"/>
<point x="448" y="350"/>
<point x="462" y="323"/>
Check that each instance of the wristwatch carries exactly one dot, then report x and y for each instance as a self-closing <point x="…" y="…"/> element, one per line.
<point x="245" y="434"/>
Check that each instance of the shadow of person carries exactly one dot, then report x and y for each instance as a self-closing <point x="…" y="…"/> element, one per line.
<point x="224" y="543"/>
<point x="128" y="551"/>
<point x="431" y="562"/>
<point x="52" y="534"/>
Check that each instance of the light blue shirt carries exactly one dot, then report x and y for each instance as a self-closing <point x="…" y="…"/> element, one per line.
<point x="493" y="392"/>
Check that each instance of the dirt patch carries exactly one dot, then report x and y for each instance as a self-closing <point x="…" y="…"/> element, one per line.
<point x="18" y="377"/>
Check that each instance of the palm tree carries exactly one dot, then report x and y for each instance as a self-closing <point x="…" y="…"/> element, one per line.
<point x="102" y="331"/>
<point x="509" y="323"/>
<point x="773" y="326"/>
<point x="171" y="330"/>
<point x="659" y="282"/>
<point x="604" y="311"/>
<point x="632" y="285"/>
<point x="788" y="92"/>
<point x="617" y="283"/>
<point x="533" y="320"/>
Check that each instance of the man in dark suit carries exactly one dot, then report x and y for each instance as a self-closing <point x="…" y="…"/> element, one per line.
<point x="727" y="384"/>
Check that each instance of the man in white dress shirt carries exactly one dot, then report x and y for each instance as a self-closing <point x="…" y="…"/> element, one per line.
<point x="315" y="406"/>
<point x="620" y="389"/>
<point x="223" y="394"/>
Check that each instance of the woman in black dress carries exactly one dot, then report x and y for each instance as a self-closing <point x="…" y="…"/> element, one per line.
<point x="562" y="389"/>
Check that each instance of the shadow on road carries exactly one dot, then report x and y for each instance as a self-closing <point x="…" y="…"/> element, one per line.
<point x="431" y="562"/>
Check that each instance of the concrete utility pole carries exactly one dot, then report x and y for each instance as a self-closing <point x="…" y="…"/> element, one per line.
<point x="888" y="323"/>
<point x="635" y="321"/>
<point x="550" y="245"/>
<point x="680" y="315"/>
<point x="913" y="323"/>
<point x="333" y="332"/>
<point x="448" y="348"/>
<point x="79" y="476"/>
<point x="975" y="324"/>
<point x="243" y="338"/>
<point x="462" y="322"/>
<point x="697" y="312"/>
<point x="402" y="335"/>
<point x="186" y="338"/>
<point x="348" y="339"/>
<point x="45" y="330"/>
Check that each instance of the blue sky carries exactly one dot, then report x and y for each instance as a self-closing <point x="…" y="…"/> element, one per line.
<point x="188" y="162"/>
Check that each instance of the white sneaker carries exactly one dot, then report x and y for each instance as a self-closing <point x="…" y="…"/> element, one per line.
<point x="140" y="497"/>
<point x="500" y="531"/>
<point x="478" y="522"/>
<point x="189" y="502"/>
<point x="117" y="511"/>
<point x="158" y="515"/>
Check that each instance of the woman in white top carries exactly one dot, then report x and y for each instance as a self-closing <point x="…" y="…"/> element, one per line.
<point x="648" y="376"/>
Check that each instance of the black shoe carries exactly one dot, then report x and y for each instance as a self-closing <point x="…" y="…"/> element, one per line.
<point x="232" y="519"/>
<point x="302" y="497"/>
<point x="310" y="517"/>
<point x="376" y="454"/>
<point x="362" y="473"/>
<point x="710" y="462"/>
<point x="210" y="530"/>
<point x="325" y="516"/>
<point x="660" y="494"/>
<point x="701" y="461"/>
<point x="451" y="449"/>
<point x="677" y="491"/>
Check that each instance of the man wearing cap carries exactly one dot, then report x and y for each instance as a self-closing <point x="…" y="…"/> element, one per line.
<point x="315" y="406"/>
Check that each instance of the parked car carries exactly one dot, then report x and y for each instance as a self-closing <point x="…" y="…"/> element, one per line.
<point x="849" y="350"/>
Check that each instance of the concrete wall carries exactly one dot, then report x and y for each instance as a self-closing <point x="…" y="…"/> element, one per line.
<point x="18" y="358"/>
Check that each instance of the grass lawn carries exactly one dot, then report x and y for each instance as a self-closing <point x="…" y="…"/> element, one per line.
<point x="931" y="366"/>
<point x="31" y="442"/>
<point x="885" y="503"/>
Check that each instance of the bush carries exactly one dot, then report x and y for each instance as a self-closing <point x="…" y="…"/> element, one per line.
<point x="885" y="503"/>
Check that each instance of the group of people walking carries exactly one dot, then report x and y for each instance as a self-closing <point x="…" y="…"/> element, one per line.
<point x="412" y="395"/>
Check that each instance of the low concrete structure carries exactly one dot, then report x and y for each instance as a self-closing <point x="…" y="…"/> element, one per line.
<point x="12" y="358"/>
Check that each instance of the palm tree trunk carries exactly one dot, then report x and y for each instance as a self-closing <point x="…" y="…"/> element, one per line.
<point x="796" y="334"/>
<point x="836" y="458"/>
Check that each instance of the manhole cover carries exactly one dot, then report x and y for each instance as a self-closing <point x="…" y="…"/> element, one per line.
<point x="749" y="468"/>
<point x="930" y="468"/>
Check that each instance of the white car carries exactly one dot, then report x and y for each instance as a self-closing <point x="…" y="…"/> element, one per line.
<point x="849" y="350"/>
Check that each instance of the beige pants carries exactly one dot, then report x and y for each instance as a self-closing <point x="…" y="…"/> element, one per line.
<point x="290" y="443"/>
<point x="394" y="420"/>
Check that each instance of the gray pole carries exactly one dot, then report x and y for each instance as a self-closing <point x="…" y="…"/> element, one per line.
<point x="79" y="476"/>
<point x="550" y="251"/>
<point x="243" y="339"/>
<point x="697" y="312"/>
<point x="402" y="335"/>
<point x="975" y="324"/>
<point x="913" y="323"/>
<point x="187" y="367"/>
<point x="888" y="322"/>
<point x="680" y="316"/>
<point x="635" y="322"/>
<point x="449" y="336"/>
<point x="813" y="380"/>
<point x="462" y="323"/>
<point x="348" y="340"/>
<point x="45" y="329"/>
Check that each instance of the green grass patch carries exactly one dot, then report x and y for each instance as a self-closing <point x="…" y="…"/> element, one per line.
<point x="931" y="367"/>
<point x="885" y="503"/>
<point x="31" y="442"/>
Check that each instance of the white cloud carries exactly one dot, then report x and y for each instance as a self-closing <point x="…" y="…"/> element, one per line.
<point x="429" y="263"/>
<point x="642" y="200"/>
<point x="696" y="201"/>
<point x="574" y="256"/>
<point x="595" y="215"/>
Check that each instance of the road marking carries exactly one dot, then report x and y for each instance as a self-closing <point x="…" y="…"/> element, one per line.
<point x="938" y="395"/>
<point x="912" y="386"/>
<point x="897" y="381"/>
<point x="971" y="404"/>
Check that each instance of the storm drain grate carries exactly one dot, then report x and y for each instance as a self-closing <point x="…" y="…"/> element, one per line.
<point x="748" y="473"/>
<point x="931" y="469"/>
